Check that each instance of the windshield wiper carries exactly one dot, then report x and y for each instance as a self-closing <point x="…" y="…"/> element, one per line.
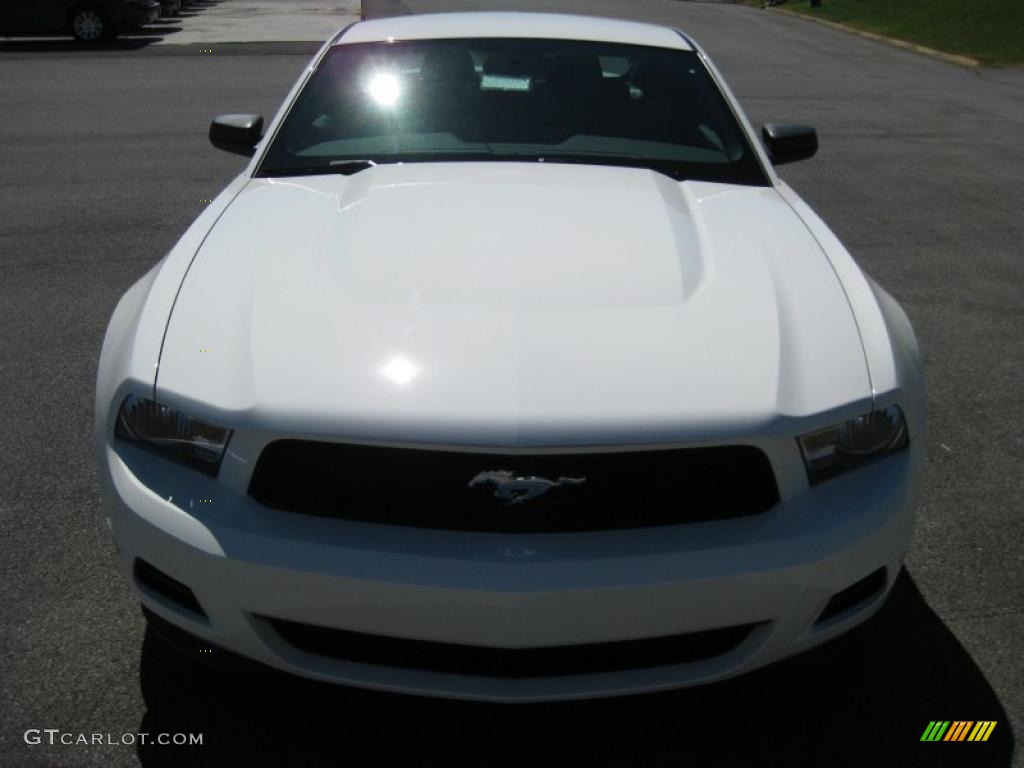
<point x="668" y="168"/>
<point x="352" y="165"/>
<point x="346" y="167"/>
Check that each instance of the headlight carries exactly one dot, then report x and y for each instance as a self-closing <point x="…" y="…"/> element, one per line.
<point x="171" y="433"/>
<point x="850" y="444"/>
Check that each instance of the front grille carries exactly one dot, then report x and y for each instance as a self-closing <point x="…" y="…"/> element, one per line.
<point x="485" y="661"/>
<point x="431" y="488"/>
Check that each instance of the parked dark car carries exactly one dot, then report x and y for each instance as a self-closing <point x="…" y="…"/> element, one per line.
<point x="88" y="20"/>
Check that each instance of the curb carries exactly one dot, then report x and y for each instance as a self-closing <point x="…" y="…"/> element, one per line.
<point x="950" y="58"/>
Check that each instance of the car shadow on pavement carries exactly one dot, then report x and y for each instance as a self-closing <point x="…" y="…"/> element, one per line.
<point x="145" y="37"/>
<point x="199" y="6"/>
<point x="864" y="699"/>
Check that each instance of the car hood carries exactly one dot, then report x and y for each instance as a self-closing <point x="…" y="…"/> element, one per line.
<point x="510" y="304"/>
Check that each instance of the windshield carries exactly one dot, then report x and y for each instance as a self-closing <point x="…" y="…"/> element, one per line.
<point x="500" y="99"/>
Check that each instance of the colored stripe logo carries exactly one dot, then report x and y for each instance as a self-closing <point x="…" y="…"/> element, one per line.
<point x="958" y="730"/>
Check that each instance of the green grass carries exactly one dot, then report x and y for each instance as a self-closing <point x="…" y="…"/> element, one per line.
<point x="991" y="31"/>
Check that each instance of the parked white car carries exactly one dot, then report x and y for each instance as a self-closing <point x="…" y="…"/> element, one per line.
<point x="510" y="370"/>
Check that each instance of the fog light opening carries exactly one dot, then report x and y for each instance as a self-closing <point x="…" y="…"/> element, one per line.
<point x="857" y="595"/>
<point x="152" y="580"/>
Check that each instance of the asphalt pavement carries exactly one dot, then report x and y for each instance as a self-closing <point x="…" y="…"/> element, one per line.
<point x="104" y="163"/>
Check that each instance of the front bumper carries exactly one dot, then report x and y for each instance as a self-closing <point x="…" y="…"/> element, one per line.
<point x="245" y="562"/>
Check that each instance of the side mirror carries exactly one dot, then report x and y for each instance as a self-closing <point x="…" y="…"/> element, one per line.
<point x="237" y="133"/>
<point x="787" y="143"/>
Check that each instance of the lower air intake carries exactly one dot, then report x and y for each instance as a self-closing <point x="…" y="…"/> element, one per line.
<point x="509" y="663"/>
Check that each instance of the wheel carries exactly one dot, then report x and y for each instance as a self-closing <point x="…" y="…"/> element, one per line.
<point x="90" y="25"/>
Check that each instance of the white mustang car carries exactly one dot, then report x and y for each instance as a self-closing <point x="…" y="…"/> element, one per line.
<point x="509" y="370"/>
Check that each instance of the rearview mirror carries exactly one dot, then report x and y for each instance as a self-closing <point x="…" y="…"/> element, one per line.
<point x="787" y="143"/>
<point x="237" y="133"/>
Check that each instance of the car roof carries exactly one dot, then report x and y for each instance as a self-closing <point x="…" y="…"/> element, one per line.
<point x="512" y="25"/>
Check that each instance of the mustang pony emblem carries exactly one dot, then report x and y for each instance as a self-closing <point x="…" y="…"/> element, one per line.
<point x="515" y="490"/>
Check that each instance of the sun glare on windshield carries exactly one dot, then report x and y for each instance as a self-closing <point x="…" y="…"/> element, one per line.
<point x="384" y="89"/>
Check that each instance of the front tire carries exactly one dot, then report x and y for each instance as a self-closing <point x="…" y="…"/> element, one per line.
<point x="90" y="25"/>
